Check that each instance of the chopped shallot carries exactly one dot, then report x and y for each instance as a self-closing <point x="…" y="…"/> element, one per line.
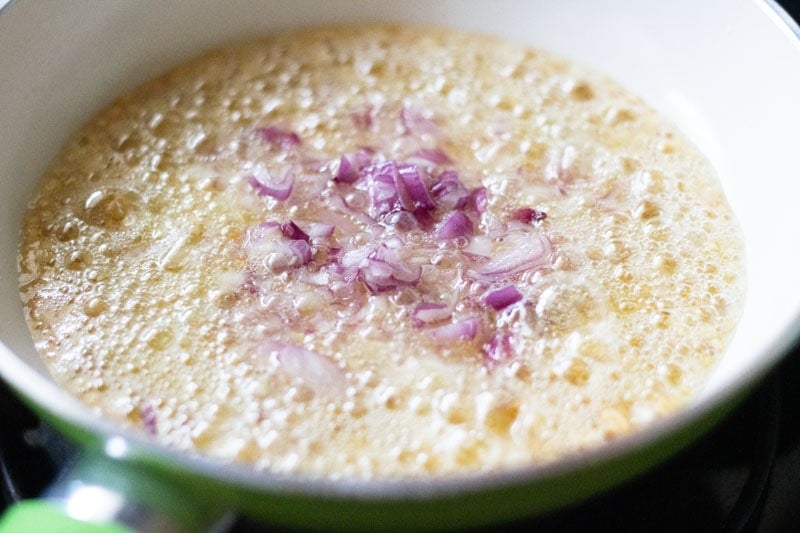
<point x="346" y="172"/>
<point x="382" y="187"/>
<point x="315" y="370"/>
<point x="319" y="230"/>
<point x="520" y="252"/>
<point x="277" y="247"/>
<point x="424" y="218"/>
<point x="529" y="215"/>
<point x="381" y="268"/>
<point x="301" y="252"/>
<point x="402" y="220"/>
<point x="427" y="313"/>
<point x="449" y="192"/>
<point x="266" y="185"/>
<point x="149" y="419"/>
<point x="477" y="201"/>
<point x="463" y="330"/>
<point x="502" y="298"/>
<point x="415" y="121"/>
<point x="363" y="120"/>
<point x="499" y="348"/>
<point x="387" y="213"/>
<point x="479" y="247"/>
<point x="385" y="270"/>
<point x="433" y="155"/>
<point x="290" y="230"/>
<point x="456" y="225"/>
<point x="363" y="157"/>
<point x="279" y="137"/>
<point x="411" y="187"/>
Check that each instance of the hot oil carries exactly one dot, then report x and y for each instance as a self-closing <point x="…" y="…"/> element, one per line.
<point x="146" y="302"/>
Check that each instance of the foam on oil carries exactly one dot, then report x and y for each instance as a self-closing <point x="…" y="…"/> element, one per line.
<point x="145" y="300"/>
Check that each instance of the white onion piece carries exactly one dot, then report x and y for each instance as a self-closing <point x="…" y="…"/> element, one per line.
<point x="518" y="252"/>
<point x="320" y="278"/>
<point x="463" y="330"/>
<point x="402" y="273"/>
<point x="356" y="256"/>
<point x="479" y="247"/>
<point x="377" y="275"/>
<point x="268" y="247"/>
<point x="427" y="313"/>
<point x="265" y="184"/>
<point x="266" y="231"/>
<point x="346" y="218"/>
<point x="385" y="270"/>
<point x="319" y="230"/>
<point x="230" y="281"/>
<point x="402" y="220"/>
<point x="394" y="242"/>
<point x="315" y="370"/>
<point x="380" y="267"/>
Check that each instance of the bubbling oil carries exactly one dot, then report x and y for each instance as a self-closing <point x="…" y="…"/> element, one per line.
<point x="146" y="302"/>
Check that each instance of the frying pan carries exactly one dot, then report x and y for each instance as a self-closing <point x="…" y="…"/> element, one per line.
<point x="726" y="72"/>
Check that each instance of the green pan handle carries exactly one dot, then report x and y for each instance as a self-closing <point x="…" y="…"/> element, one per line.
<point x="44" y="516"/>
<point x="99" y="494"/>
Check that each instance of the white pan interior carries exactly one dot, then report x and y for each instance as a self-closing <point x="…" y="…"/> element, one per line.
<point x="727" y="72"/>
